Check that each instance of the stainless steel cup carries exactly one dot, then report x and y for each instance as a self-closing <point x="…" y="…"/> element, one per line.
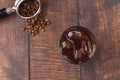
<point x="6" y="11"/>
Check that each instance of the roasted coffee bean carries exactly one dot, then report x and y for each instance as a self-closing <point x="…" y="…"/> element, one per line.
<point x="36" y="32"/>
<point x="47" y="21"/>
<point x="43" y="14"/>
<point x="43" y="30"/>
<point x="33" y="34"/>
<point x="28" y="8"/>
<point x="33" y="31"/>
<point x="24" y="28"/>
<point x="40" y="28"/>
<point x="37" y="27"/>
<point x="32" y="21"/>
<point x="36" y="24"/>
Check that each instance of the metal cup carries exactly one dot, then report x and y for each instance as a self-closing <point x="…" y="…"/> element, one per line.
<point x="6" y="11"/>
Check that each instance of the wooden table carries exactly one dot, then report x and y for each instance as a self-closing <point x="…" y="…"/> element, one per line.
<point x="37" y="58"/>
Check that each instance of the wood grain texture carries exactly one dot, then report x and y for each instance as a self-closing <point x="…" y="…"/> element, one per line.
<point x="13" y="47"/>
<point x="37" y="58"/>
<point x="46" y="63"/>
<point x="102" y="17"/>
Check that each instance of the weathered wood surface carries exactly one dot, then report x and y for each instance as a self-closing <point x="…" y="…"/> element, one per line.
<point x="13" y="47"/>
<point x="37" y="58"/>
<point x="102" y="17"/>
<point x="46" y="63"/>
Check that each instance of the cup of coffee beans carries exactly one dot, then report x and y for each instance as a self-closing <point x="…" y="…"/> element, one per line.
<point x="29" y="8"/>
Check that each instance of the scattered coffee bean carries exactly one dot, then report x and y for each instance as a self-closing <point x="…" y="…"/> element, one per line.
<point x="47" y="21"/>
<point x="43" y="30"/>
<point x="24" y="28"/>
<point x="36" y="24"/>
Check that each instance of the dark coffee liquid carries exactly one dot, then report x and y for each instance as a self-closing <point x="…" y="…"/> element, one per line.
<point x="77" y="44"/>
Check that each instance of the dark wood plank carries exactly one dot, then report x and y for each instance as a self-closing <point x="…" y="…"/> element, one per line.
<point x="46" y="63"/>
<point x="102" y="17"/>
<point x="13" y="47"/>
